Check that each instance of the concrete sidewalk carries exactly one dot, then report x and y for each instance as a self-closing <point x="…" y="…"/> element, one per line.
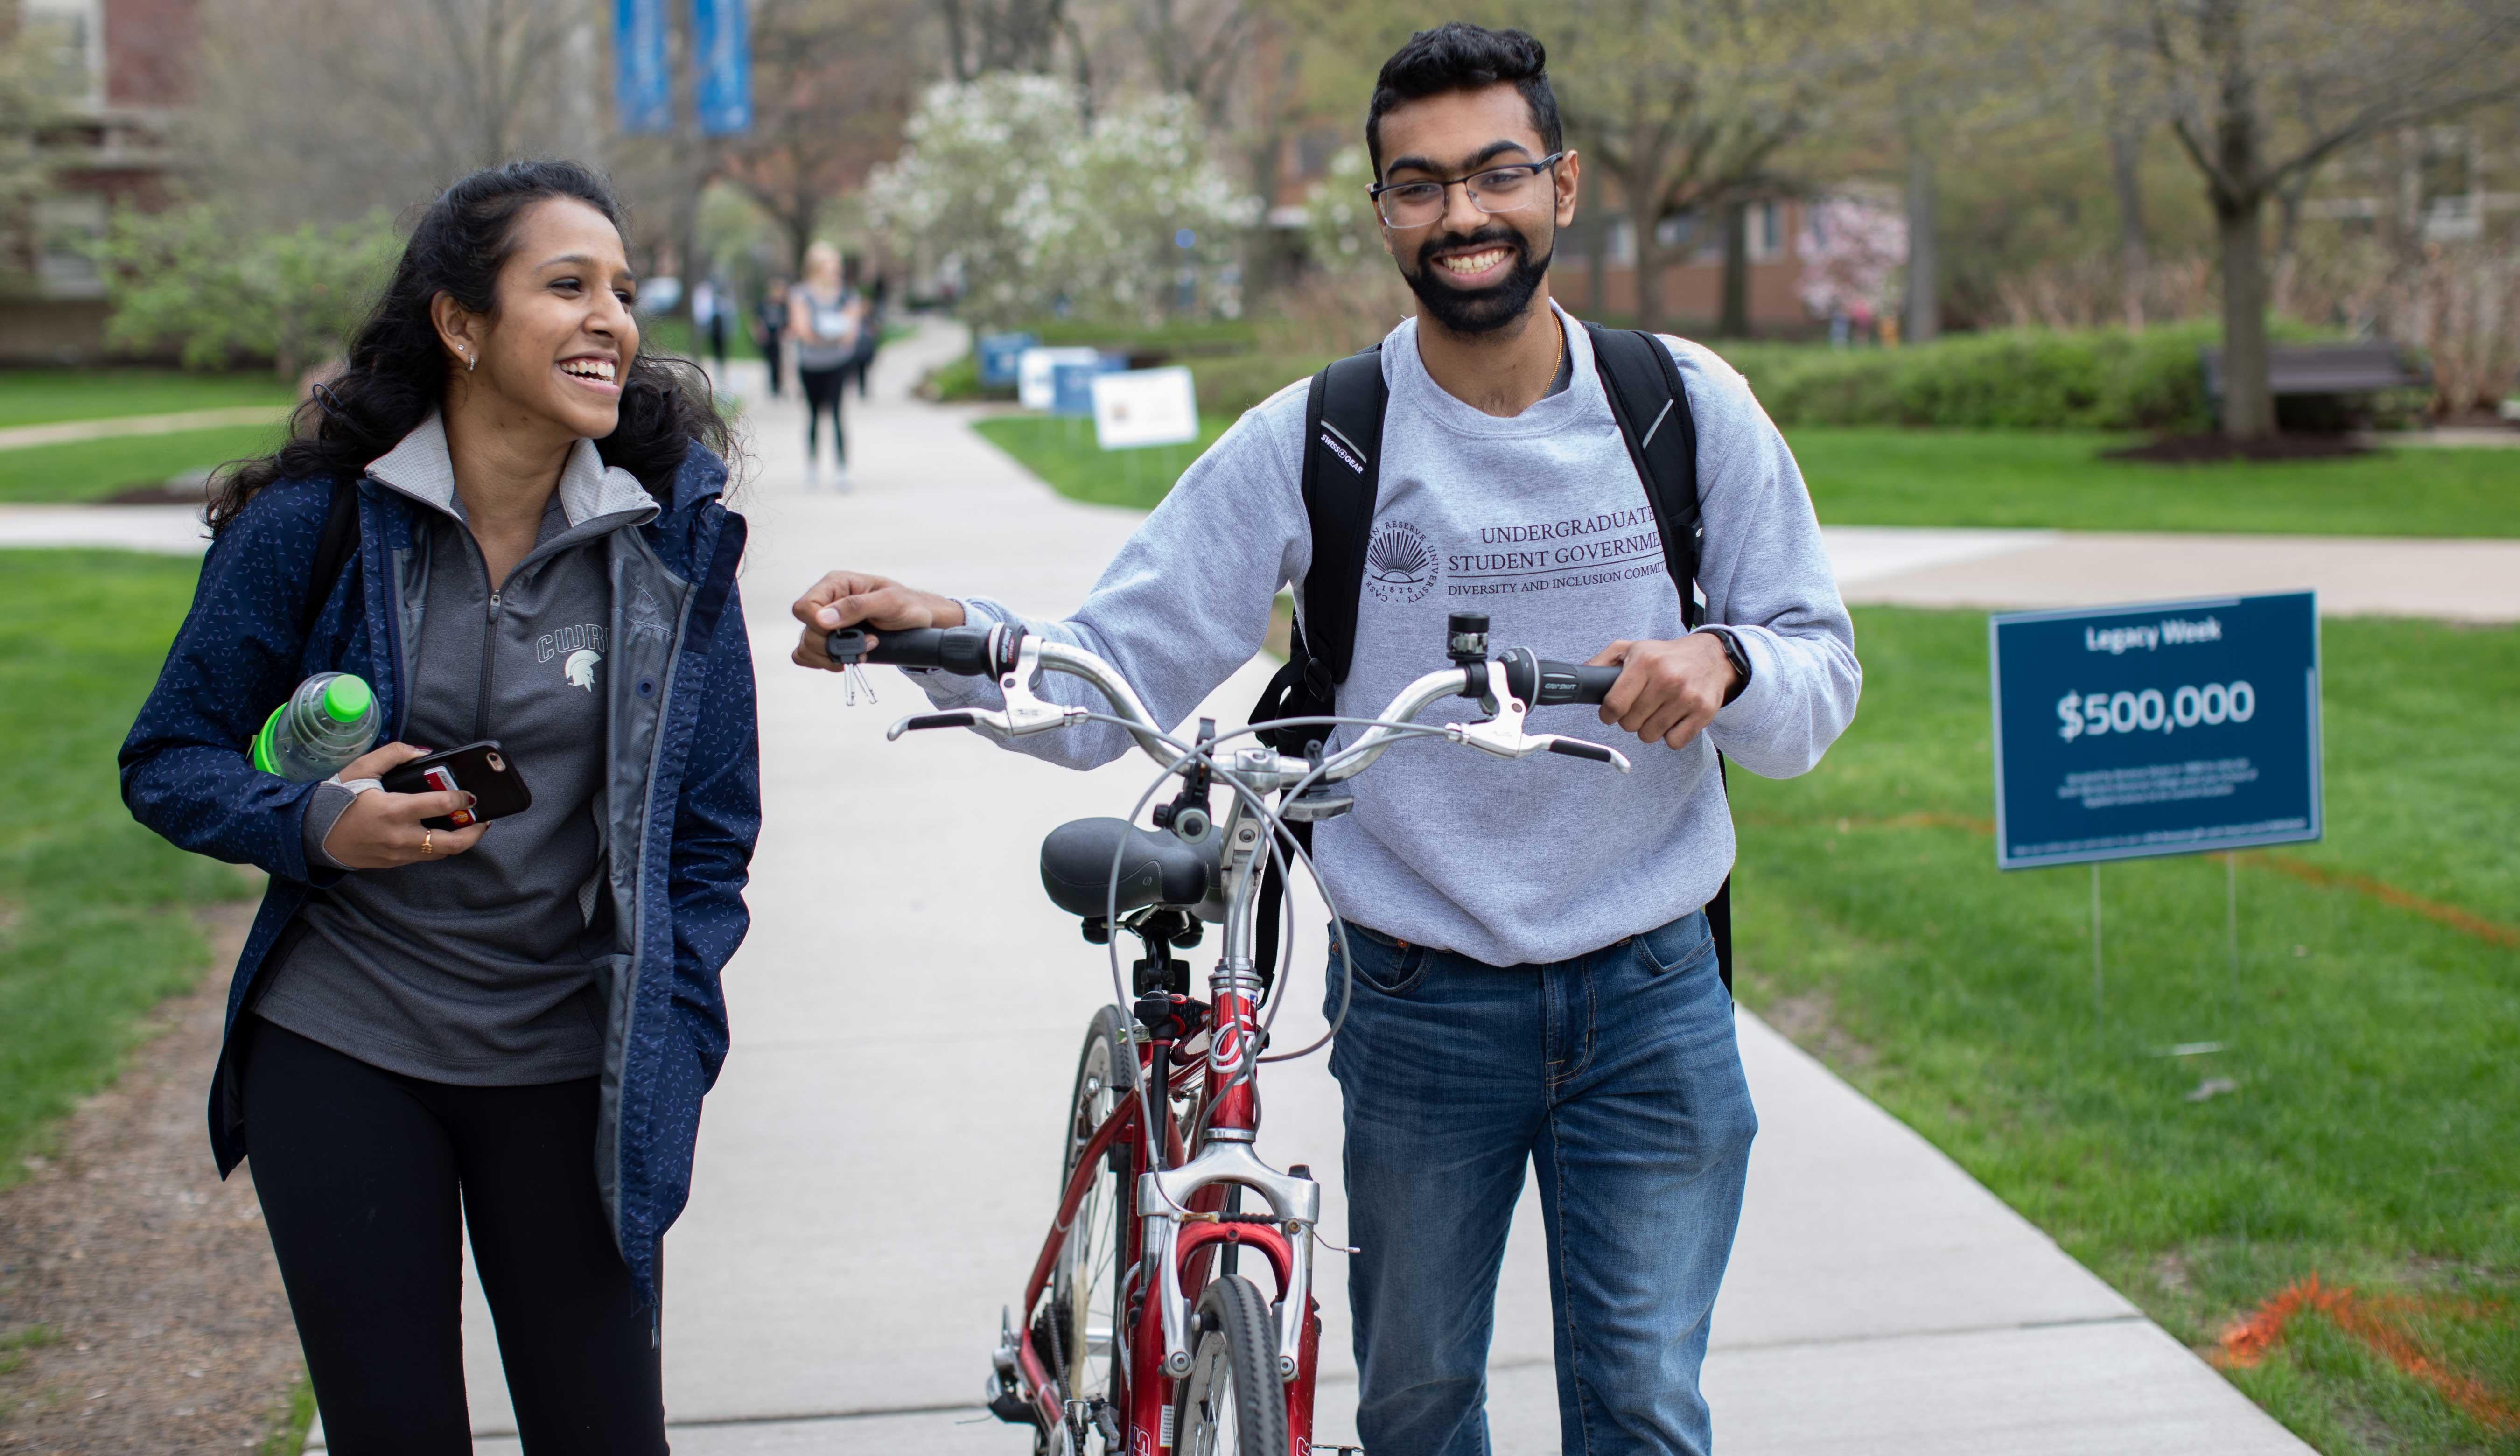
<point x="71" y="432"/>
<point x="878" y="1165"/>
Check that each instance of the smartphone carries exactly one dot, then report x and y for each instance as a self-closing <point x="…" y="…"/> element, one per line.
<point x="479" y="769"/>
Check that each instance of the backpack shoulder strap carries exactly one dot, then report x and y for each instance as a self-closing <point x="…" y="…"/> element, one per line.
<point x="1342" y="476"/>
<point x="1651" y="406"/>
<point x="332" y="552"/>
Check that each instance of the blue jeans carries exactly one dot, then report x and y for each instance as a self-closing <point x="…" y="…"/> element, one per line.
<point x="1617" y="1074"/>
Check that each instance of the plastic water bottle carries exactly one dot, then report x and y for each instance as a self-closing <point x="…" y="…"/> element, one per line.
<point x="329" y="721"/>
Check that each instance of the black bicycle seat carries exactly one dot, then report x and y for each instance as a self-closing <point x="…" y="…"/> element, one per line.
<point x="1155" y="867"/>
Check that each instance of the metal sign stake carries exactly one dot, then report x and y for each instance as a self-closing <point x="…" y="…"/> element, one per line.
<point x="2231" y="927"/>
<point x="2100" y="1007"/>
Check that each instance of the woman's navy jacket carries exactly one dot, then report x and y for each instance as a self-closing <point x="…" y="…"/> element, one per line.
<point x="680" y="809"/>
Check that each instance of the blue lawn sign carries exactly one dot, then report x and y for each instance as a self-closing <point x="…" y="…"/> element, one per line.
<point x="1071" y="384"/>
<point x="998" y="355"/>
<point x="2164" y="728"/>
<point x="722" y="59"/>
<point x="1033" y="372"/>
<point x="641" y="85"/>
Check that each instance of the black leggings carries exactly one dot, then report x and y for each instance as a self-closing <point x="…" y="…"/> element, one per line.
<point x="823" y="392"/>
<point x="360" y="1172"/>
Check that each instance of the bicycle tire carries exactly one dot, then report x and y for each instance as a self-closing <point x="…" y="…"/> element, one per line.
<point x="1087" y="1278"/>
<point x="1232" y="1402"/>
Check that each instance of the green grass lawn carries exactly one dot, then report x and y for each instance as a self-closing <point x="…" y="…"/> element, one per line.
<point x="95" y="921"/>
<point x="1988" y="478"/>
<point x="43" y="396"/>
<point x="1062" y="452"/>
<point x="84" y="469"/>
<point x="2001" y="478"/>
<point x="2373" y="1138"/>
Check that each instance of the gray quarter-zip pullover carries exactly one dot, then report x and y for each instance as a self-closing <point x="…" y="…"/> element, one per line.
<point x="479" y="969"/>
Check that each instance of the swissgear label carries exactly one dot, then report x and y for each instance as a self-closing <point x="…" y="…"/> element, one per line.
<point x="1607" y="547"/>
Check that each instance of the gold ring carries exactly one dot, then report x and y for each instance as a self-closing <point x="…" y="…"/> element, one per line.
<point x="424" y="836"/>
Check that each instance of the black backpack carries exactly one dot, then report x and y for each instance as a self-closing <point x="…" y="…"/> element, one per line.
<point x="1343" y="435"/>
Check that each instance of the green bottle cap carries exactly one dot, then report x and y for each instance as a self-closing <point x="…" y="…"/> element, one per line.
<point x="346" y="698"/>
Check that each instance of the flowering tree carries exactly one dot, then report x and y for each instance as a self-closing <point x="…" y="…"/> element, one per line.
<point x="1339" y="225"/>
<point x="1850" y="249"/>
<point x="1004" y="176"/>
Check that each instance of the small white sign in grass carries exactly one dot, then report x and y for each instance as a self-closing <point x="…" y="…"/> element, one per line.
<point x="1142" y="407"/>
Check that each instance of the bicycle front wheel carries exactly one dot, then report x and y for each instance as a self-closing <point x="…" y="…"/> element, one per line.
<point x="1085" y="1316"/>
<point x="1232" y="1402"/>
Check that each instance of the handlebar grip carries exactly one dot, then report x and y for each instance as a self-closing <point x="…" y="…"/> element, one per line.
<point x="1546" y="684"/>
<point x="1578" y="749"/>
<point x="958" y="649"/>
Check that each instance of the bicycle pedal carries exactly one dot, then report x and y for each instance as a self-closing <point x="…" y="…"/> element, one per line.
<point x="1004" y="1404"/>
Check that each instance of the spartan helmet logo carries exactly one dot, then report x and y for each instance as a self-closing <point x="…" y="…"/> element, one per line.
<point x="579" y="669"/>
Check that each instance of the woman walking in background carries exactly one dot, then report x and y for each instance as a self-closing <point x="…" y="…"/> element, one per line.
<point x="824" y="317"/>
<point x="506" y="520"/>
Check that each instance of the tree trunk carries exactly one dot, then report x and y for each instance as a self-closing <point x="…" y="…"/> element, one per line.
<point x="1733" y="317"/>
<point x="1595" y="286"/>
<point x="1924" y="264"/>
<point x="1648" y="231"/>
<point x="2248" y="409"/>
<point x="2135" y="253"/>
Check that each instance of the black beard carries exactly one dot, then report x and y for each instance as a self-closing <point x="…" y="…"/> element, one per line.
<point x="1478" y="310"/>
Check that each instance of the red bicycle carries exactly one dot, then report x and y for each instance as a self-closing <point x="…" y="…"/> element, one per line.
<point x="1141" y="1328"/>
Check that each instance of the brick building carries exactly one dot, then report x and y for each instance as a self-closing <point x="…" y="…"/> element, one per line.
<point x="116" y="72"/>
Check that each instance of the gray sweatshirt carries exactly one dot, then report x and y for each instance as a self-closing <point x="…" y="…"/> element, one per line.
<point x="1540" y="521"/>
<point x="478" y="969"/>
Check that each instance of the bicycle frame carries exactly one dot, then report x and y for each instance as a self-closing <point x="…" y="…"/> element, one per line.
<point x="1178" y="1228"/>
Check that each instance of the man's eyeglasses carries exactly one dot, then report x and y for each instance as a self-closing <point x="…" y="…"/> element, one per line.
<point x="1502" y="189"/>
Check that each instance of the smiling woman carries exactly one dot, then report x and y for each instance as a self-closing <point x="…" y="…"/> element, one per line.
<point x="438" y="1016"/>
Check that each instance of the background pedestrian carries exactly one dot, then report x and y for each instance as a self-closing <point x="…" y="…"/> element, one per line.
<point x="825" y="319"/>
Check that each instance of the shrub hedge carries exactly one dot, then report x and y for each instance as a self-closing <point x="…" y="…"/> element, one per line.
<point x="2100" y="379"/>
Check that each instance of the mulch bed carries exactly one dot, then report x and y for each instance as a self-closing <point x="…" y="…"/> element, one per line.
<point x="165" y="1323"/>
<point x="2202" y="449"/>
<point x="147" y="493"/>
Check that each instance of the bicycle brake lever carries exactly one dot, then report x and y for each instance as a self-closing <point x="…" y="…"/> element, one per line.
<point x="1503" y="737"/>
<point x="1024" y="713"/>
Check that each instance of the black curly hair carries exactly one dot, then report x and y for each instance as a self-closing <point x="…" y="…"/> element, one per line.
<point x="1458" y="56"/>
<point x="396" y="371"/>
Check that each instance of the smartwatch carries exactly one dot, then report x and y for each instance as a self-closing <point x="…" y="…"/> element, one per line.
<point x="1734" y="655"/>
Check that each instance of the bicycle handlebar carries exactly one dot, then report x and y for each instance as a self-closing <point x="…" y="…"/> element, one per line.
<point x="1541" y="683"/>
<point x="1003" y="651"/>
<point x="964" y="651"/>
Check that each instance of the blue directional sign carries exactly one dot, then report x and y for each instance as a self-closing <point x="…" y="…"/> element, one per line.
<point x="2165" y="728"/>
<point x="998" y="355"/>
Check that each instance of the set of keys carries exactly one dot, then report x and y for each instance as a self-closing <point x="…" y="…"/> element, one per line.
<point x="848" y="647"/>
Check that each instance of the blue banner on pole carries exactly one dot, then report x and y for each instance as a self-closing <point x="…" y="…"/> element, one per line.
<point x="2167" y="728"/>
<point x="722" y="58"/>
<point x="643" y="88"/>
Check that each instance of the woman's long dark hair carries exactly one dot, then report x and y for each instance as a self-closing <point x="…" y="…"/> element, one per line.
<point x="396" y="371"/>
